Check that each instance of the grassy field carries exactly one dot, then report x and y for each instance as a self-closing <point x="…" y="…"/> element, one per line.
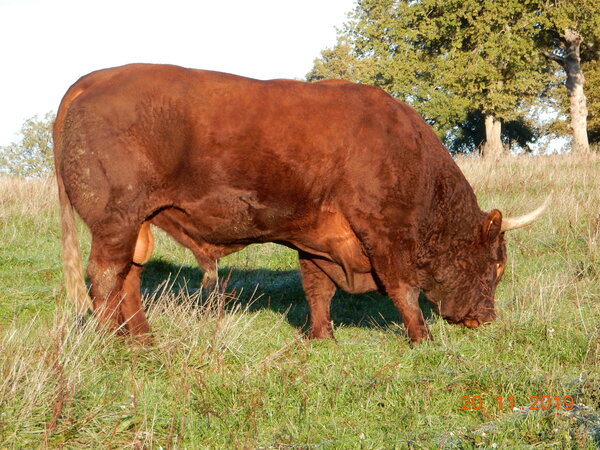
<point x="231" y="369"/>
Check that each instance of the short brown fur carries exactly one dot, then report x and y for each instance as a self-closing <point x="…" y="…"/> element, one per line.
<point x="353" y="179"/>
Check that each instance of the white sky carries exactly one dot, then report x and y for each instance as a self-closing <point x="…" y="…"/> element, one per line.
<point x="46" y="45"/>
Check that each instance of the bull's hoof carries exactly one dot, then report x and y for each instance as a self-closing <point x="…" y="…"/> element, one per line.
<point x="209" y="280"/>
<point x="142" y="340"/>
<point x="322" y="333"/>
<point x="421" y="335"/>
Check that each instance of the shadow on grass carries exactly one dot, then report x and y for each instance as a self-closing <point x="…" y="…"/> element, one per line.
<point x="281" y="291"/>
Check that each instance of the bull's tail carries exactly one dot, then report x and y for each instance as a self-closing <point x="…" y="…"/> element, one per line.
<point x="77" y="291"/>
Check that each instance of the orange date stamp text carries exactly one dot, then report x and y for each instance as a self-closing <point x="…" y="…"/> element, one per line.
<point x="535" y="403"/>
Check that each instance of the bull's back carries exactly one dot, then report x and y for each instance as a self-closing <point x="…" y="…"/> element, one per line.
<point x="183" y="120"/>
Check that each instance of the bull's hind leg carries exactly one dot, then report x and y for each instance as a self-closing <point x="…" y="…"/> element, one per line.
<point x="319" y="290"/>
<point x="132" y="309"/>
<point x="115" y="279"/>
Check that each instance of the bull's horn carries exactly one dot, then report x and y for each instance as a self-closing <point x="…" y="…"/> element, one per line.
<point x="512" y="223"/>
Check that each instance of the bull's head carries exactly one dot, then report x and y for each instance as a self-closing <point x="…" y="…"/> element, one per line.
<point x="464" y="283"/>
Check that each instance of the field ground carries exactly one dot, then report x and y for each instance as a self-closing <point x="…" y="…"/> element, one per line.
<point x="232" y="369"/>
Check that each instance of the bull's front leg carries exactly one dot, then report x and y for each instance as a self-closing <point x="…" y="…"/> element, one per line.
<point x="392" y="265"/>
<point x="406" y="299"/>
<point x="319" y="290"/>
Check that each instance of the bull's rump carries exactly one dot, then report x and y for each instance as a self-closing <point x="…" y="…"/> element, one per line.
<point x="246" y="160"/>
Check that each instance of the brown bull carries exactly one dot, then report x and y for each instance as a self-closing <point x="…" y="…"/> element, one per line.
<point x="354" y="180"/>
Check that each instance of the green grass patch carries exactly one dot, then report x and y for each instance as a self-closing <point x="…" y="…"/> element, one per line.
<point x="232" y="368"/>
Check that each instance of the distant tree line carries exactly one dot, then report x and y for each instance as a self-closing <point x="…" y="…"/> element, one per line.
<point x="479" y="71"/>
<point x="32" y="155"/>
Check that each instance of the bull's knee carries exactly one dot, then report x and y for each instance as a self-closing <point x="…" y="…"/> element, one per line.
<point x="144" y="245"/>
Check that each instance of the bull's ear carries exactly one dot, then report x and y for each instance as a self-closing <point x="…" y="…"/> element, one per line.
<point x="491" y="226"/>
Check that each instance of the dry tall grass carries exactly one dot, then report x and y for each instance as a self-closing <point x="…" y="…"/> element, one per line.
<point x="19" y="197"/>
<point x="47" y="369"/>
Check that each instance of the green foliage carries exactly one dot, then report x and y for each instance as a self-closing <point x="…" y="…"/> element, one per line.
<point x="449" y="58"/>
<point x="32" y="155"/>
<point x="583" y="17"/>
<point x="557" y="16"/>
<point x="517" y="134"/>
<point x="338" y="62"/>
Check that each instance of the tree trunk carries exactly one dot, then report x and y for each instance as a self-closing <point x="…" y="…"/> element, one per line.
<point x="492" y="147"/>
<point x="577" y="100"/>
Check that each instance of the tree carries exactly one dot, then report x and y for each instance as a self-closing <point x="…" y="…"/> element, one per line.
<point x="592" y="71"/>
<point x="564" y="27"/>
<point x="449" y="58"/>
<point x="470" y="134"/>
<point x="31" y="156"/>
<point x="338" y="62"/>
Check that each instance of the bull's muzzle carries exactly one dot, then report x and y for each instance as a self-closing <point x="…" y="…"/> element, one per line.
<point x="471" y="323"/>
<point x="474" y="323"/>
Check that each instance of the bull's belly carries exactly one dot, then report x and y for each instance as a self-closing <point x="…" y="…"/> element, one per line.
<point x="234" y="218"/>
<point x="329" y="239"/>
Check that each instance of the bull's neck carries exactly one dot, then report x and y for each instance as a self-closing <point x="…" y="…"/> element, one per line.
<point x="453" y="219"/>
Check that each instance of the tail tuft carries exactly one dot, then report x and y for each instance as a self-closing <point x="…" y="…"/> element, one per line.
<point x="73" y="272"/>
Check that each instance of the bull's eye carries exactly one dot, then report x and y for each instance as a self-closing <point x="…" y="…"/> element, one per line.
<point x="499" y="270"/>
